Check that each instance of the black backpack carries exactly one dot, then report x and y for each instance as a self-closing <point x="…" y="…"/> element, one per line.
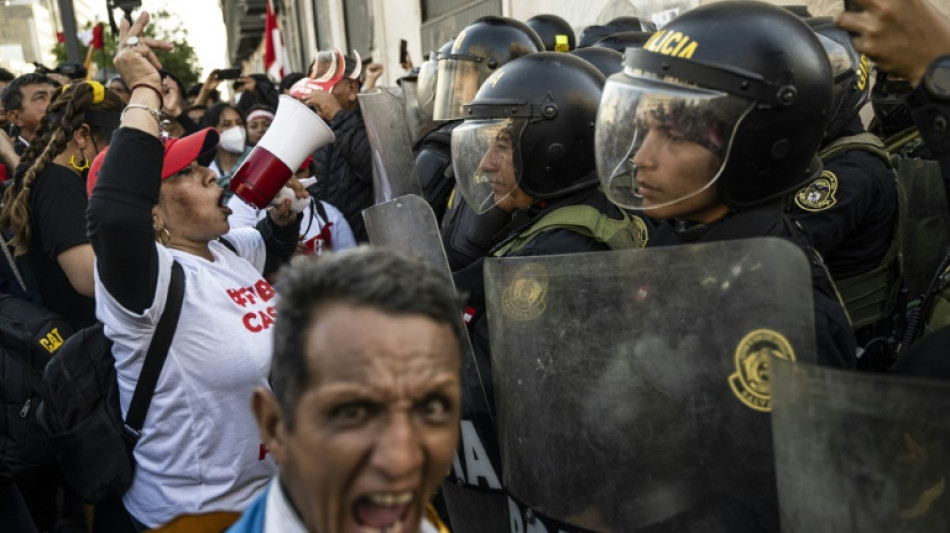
<point x="29" y="336"/>
<point x="80" y="410"/>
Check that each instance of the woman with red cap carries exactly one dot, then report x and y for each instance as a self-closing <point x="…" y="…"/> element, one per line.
<point x="154" y="208"/>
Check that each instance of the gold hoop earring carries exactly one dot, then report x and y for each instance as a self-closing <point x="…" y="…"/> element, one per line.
<point x="167" y="237"/>
<point x="81" y="167"/>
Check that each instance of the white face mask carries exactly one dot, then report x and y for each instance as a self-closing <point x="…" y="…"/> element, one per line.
<point x="233" y="139"/>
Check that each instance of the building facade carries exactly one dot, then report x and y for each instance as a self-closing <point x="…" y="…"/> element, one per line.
<point x="374" y="27"/>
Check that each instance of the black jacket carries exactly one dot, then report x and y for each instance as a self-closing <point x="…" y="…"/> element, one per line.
<point x="834" y="337"/>
<point x="345" y="170"/>
<point x="854" y="226"/>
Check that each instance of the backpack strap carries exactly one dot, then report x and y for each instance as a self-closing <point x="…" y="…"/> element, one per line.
<point x="865" y="141"/>
<point x="155" y="357"/>
<point x="896" y="142"/>
<point x="228" y="244"/>
<point x="625" y="233"/>
<point x="325" y="230"/>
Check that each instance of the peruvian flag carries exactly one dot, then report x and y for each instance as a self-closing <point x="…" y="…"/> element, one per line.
<point x="92" y="36"/>
<point x="273" y="46"/>
<point x="97" y="41"/>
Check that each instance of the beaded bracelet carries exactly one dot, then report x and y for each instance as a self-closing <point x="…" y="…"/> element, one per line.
<point x="156" y="114"/>
<point x="161" y="97"/>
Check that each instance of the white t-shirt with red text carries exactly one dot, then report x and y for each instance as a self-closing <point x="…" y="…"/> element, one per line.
<point x="311" y="225"/>
<point x="200" y="450"/>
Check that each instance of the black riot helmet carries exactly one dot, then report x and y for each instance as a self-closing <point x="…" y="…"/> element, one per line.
<point x="623" y="40"/>
<point x="531" y="125"/>
<point x="555" y="32"/>
<point x="592" y="34"/>
<point x="476" y="53"/>
<point x="607" y="61"/>
<point x="851" y="71"/>
<point x="889" y="101"/>
<point x="747" y="81"/>
<point x="631" y="23"/>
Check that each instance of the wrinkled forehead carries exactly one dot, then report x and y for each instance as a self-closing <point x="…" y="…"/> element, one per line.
<point x="409" y="348"/>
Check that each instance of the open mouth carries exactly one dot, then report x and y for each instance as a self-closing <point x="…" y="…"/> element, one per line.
<point x="383" y="512"/>
<point x="223" y="204"/>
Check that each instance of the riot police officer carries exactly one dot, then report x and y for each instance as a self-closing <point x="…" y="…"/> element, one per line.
<point x="478" y="51"/>
<point x="708" y="128"/>
<point x="555" y="32"/>
<point x="892" y="121"/>
<point x="526" y="148"/>
<point x="607" y="61"/>
<point x="850" y="211"/>
<point x="592" y="34"/>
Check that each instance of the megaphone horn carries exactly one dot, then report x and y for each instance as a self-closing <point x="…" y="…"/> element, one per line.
<point x="295" y="133"/>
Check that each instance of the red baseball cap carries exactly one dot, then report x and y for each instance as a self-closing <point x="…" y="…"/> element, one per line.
<point x="179" y="153"/>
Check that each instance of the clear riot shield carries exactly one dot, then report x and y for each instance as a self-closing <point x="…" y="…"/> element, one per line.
<point x="860" y="452"/>
<point x="391" y="148"/>
<point x="632" y="387"/>
<point x="417" y="121"/>
<point x="473" y="493"/>
<point x="926" y="229"/>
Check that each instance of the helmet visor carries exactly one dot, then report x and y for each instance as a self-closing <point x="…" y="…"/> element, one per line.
<point x="838" y="56"/>
<point x="425" y="86"/>
<point x="487" y="160"/>
<point x="659" y="143"/>
<point x="458" y="81"/>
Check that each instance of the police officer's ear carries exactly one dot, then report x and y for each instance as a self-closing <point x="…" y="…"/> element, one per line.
<point x="270" y="423"/>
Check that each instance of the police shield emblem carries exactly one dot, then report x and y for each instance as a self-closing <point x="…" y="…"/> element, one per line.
<point x="860" y="452"/>
<point x="617" y="403"/>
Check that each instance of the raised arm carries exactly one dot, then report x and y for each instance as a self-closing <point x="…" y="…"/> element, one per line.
<point x="128" y="184"/>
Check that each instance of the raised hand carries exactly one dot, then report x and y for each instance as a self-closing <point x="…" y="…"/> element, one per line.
<point x="901" y="36"/>
<point x="135" y="59"/>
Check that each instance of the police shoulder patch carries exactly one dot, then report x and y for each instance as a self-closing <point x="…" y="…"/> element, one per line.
<point x="523" y="298"/>
<point x="750" y="382"/>
<point x="643" y="233"/>
<point x="819" y="194"/>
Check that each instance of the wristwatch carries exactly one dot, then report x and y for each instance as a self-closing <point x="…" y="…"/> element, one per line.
<point x="936" y="79"/>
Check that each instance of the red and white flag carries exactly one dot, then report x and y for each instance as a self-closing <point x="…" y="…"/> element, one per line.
<point x="273" y="46"/>
<point x="91" y="36"/>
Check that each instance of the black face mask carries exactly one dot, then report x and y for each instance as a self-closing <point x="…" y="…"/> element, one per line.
<point x="889" y="101"/>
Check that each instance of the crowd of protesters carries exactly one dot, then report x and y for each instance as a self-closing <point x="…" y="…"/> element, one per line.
<point x="316" y="384"/>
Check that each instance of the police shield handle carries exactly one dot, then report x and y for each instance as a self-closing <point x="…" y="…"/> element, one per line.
<point x="295" y="134"/>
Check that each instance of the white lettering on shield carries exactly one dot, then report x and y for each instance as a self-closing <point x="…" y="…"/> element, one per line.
<point x="478" y="466"/>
